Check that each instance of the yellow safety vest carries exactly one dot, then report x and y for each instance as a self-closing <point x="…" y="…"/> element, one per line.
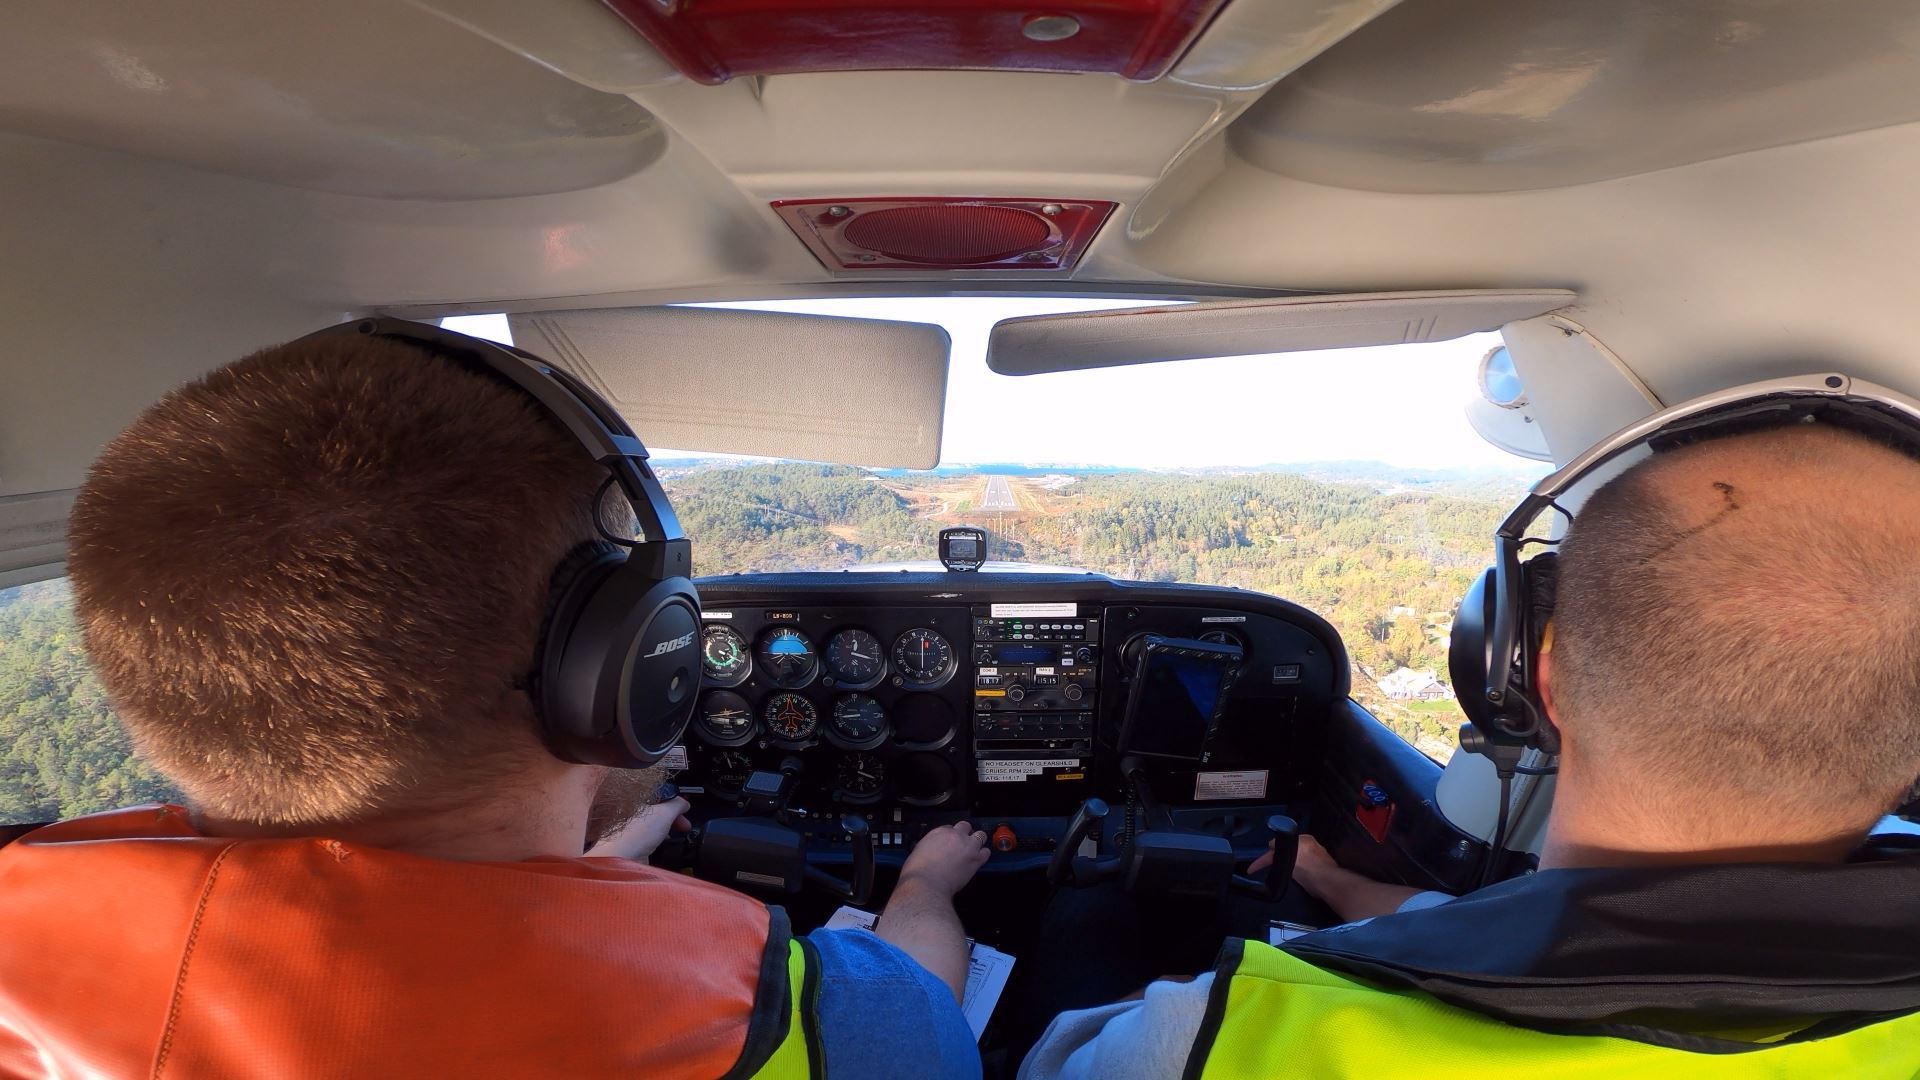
<point x="796" y="1055"/>
<point x="1279" y="1017"/>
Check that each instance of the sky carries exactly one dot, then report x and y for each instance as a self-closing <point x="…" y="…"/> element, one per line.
<point x="1403" y="404"/>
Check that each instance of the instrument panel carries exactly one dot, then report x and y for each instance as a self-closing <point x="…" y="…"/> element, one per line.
<point x="915" y="699"/>
<point x="864" y="699"/>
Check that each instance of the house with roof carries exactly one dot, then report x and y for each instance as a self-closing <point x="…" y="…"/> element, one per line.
<point x="1406" y="684"/>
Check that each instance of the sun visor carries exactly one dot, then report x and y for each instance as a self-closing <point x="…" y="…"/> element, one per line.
<point x="767" y="384"/>
<point x="1095" y="339"/>
<point x="33" y="535"/>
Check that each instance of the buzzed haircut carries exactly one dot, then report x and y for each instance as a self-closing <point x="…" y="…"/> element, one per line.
<point x="1741" y="618"/>
<point x="312" y="580"/>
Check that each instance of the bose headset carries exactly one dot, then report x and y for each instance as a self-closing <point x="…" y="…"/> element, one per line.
<point x="1504" y="617"/>
<point x="616" y="673"/>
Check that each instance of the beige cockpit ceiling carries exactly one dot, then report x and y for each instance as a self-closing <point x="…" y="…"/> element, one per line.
<point x="1727" y="184"/>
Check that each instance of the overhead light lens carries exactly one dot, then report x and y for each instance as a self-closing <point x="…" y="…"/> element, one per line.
<point x="1050" y="27"/>
<point x="1499" y="382"/>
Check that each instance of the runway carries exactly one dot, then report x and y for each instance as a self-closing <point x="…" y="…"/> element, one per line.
<point x="999" y="495"/>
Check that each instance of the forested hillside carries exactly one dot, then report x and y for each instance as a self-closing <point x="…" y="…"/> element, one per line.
<point x="1385" y="566"/>
<point x="60" y="751"/>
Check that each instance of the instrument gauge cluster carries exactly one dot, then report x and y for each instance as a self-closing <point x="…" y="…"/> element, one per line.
<point x="856" y="697"/>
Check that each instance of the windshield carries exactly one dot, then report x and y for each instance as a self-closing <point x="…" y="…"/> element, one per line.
<point x="1346" y="481"/>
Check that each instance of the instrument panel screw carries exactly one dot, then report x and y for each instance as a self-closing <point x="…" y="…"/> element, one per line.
<point x="1052" y="209"/>
<point x="838" y="212"/>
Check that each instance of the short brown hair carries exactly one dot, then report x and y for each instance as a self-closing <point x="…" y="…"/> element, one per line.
<point x="311" y="580"/>
<point x="1741" y="618"/>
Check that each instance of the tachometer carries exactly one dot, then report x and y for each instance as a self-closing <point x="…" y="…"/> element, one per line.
<point x="788" y="657"/>
<point x="858" y="722"/>
<point x="725" y="719"/>
<point x="859" y="778"/>
<point x="724" y="657"/>
<point x="727" y="772"/>
<point x="791" y="717"/>
<point x="856" y="660"/>
<point x="923" y="658"/>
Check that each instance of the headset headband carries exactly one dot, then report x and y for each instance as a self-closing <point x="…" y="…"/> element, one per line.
<point x="1770" y="403"/>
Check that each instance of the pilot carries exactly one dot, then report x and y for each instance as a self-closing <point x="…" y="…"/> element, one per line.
<point x="1732" y="670"/>
<point x="311" y="583"/>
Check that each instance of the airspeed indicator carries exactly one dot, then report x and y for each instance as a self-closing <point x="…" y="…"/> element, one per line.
<point x="724" y="657"/>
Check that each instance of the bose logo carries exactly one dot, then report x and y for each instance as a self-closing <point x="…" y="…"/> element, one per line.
<point x="673" y="645"/>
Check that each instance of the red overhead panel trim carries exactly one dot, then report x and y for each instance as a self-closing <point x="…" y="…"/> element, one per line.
<point x="712" y="41"/>
<point x="945" y="234"/>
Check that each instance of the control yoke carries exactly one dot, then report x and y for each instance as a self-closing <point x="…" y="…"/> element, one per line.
<point x="1169" y="860"/>
<point x="761" y="852"/>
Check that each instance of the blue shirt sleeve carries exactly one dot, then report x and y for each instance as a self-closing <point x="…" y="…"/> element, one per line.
<point x="883" y="1016"/>
<point x="1421" y="901"/>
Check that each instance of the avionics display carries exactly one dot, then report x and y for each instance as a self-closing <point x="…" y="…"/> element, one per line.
<point x="1023" y="653"/>
<point x="1178" y="693"/>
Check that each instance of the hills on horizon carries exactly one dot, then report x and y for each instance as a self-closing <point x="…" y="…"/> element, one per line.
<point x="1483" y="479"/>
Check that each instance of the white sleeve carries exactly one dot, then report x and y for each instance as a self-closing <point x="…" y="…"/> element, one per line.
<point x="1149" y="1039"/>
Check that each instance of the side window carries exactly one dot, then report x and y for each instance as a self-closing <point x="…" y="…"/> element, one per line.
<point x="62" y="753"/>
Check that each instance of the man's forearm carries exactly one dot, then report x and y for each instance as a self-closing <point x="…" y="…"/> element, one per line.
<point x="1355" y="896"/>
<point x="920" y="921"/>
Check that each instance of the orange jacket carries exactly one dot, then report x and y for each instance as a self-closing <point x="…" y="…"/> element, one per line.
<point x="131" y="945"/>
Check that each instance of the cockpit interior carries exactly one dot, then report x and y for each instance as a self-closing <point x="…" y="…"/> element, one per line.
<point x="1630" y="204"/>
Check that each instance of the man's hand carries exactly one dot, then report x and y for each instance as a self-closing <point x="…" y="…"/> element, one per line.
<point x="946" y="859"/>
<point x="638" y="839"/>
<point x="919" y="918"/>
<point x="1311" y="865"/>
<point x="1351" y="896"/>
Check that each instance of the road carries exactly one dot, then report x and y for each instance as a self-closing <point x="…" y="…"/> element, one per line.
<point x="999" y="495"/>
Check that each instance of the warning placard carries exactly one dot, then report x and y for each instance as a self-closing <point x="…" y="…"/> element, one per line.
<point x="1242" y="784"/>
<point x="1013" y="770"/>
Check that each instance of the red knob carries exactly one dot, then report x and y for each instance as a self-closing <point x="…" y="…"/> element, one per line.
<point x="1003" y="839"/>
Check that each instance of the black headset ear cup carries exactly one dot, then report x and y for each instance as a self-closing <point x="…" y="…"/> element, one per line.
<point x="576" y="564"/>
<point x="1470" y="651"/>
<point x="620" y="664"/>
<point x="1470" y="658"/>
